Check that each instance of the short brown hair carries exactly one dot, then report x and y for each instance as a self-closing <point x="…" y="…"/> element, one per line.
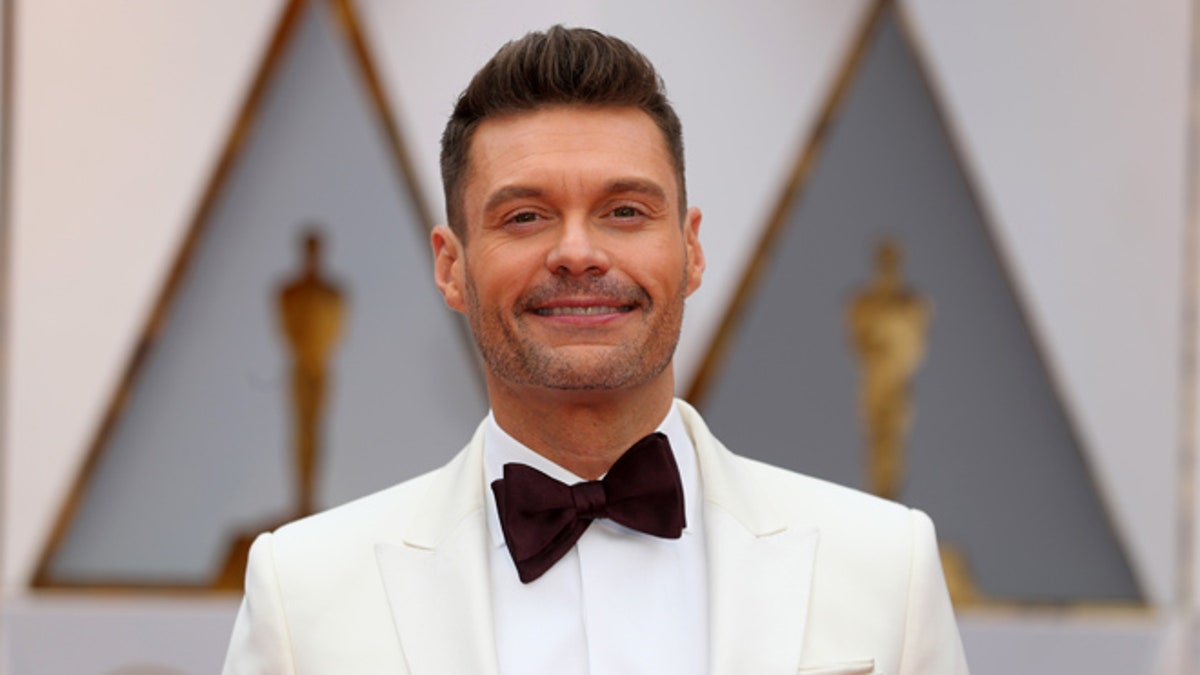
<point x="562" y="66"/>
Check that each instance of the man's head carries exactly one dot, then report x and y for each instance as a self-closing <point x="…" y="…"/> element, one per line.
<point x="563" y="66"/>
<point x="573" y="249"/>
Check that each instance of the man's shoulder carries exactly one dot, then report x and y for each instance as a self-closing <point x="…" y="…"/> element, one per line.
<point x="380" y="516"/>
<point x="791" y="490"/>
<point x="762" y="495"/>
<point x="364" y="513"/>
<point x="857" y="531"/>
<point x="844" y="515"/>
<point x="322" y="543"/>
<point x="787" y="490"/>
<point x="828" y="505"/>
<point x="324" y="571"/>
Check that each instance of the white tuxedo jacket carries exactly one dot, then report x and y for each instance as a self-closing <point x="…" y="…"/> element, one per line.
<point x="804" y="577"/>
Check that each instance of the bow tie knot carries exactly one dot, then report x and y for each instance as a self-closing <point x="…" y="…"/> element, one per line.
<point x="543" y="518"/>
<point x="590" y="500"/>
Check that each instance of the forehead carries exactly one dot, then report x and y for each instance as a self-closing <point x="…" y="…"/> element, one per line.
<point x="567" y="143"/>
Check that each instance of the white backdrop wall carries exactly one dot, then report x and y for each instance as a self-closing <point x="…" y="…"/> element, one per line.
<point x="120" y="113"/>
<point x="1071" y="116"/>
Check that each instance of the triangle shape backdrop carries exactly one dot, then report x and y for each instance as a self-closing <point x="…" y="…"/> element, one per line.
<point x="202" y="449"/>
<point x="991" y="454"/>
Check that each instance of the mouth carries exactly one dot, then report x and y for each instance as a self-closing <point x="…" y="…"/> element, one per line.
<point x="582" y="310"/>
<point x="590" y="303"/>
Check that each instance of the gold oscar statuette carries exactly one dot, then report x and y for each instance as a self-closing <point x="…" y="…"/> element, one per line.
<point x="888" y="325"/>
<point x="311" y="313"/>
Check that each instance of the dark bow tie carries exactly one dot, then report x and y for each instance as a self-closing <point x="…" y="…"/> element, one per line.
<point x="543" y="518"/>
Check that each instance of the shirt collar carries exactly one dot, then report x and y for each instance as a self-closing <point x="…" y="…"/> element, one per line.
<point x="499" y="449"/>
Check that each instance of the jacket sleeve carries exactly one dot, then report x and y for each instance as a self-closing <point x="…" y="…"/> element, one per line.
<point x="932" y="645"/>
<point x="260" y="644"/>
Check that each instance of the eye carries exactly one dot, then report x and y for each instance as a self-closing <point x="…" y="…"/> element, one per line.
<point x="523" y="220"/>
<point x="625" y="212"/>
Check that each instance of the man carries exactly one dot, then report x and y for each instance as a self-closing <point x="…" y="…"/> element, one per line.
<point x="570" y="251"/>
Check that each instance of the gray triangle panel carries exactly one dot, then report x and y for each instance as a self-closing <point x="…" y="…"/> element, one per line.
<point x="202" y="449"/>
<point x="991" y="456"/>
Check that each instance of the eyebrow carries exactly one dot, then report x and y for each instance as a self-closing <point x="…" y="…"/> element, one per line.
<point x="619" y="186"/>
<point x="510" y="193"/>
<point x="638" y="186"/>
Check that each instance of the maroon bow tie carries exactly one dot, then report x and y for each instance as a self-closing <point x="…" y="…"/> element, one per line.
<point x="543" y="518"/>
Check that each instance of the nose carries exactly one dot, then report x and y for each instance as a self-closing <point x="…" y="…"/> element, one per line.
<point x="578" y="250"/>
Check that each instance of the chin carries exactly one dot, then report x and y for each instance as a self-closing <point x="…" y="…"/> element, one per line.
<point x="609" y="375"/>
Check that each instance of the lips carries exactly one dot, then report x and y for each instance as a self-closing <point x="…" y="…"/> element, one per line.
<point x="582" y="310"/>
<point x="568" y="298"/>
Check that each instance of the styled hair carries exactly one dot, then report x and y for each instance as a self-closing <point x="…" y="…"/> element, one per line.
<point x="562" y="66"/>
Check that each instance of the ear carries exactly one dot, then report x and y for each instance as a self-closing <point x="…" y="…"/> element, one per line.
<point x="695" y="253"/>
<point x="448" y="267"/>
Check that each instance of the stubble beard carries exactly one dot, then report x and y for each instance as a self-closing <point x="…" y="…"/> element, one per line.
<point x="514" y="357"/>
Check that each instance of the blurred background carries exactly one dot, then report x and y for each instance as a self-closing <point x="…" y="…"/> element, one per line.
<point x="952" y="259"/>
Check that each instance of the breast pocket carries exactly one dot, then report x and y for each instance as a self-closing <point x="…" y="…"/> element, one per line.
<point x="857" y="667"/>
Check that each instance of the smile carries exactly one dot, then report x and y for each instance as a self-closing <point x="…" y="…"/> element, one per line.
<point x="591" y="310"/>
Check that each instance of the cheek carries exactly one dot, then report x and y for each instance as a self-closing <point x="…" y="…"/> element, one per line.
<point x="498" y="282"/>
<point x="662" y="267"/>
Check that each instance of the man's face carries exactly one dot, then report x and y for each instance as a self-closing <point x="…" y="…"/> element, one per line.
<point x="577" y="260"/>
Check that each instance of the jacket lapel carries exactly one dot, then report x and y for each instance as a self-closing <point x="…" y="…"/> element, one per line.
<point x="436" y="576"/>
<point x="760" y="566"/>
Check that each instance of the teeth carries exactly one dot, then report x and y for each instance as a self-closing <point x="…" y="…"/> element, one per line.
<point x="581" y="311"/>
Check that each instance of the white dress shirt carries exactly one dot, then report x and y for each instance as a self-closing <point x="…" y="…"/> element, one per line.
<point x="620" y="601"/>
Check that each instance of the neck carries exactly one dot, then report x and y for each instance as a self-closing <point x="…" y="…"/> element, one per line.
<point x="584" y="432"/>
